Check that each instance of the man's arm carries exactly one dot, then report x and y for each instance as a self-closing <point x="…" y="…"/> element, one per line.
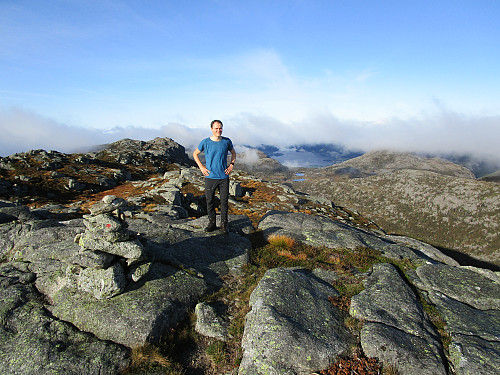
<point x="196" y="158"/>
<point x="231" y="165"/>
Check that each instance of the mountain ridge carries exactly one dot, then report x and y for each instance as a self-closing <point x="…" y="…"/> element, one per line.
<point x="386" y="161"/>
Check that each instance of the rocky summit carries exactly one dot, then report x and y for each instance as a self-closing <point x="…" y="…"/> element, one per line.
<point x="122" y="278"/>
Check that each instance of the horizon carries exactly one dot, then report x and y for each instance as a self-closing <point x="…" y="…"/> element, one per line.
<point x="398" y="75"/>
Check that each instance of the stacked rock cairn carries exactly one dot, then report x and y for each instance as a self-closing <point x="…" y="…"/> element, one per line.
<point x="117" y="258"/>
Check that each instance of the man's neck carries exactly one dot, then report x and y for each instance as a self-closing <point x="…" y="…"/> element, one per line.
<point x="215" y="139"/>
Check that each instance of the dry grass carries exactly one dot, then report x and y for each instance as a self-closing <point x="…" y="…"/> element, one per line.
<point x="281" y="241"/>
<point x="149" y="358"/>
<point x="288" y="254"/>
<point x="389" y="369"/>
<point x="149" y="354"/>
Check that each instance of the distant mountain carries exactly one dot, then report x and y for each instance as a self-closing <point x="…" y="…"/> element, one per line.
<point x="431" y="199"/>
<point x="383" y="162"/>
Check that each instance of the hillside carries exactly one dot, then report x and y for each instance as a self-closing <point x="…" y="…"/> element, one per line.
<point x="430" y="199"/>
<point x="492" y="177"/>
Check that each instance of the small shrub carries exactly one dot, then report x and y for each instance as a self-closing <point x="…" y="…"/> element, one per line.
<point x="348" y="286"/>
<point x="342" y="302"/>
<point x="356" y="365"/>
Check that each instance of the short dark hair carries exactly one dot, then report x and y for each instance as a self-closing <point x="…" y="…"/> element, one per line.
<point x="214" y="121"/>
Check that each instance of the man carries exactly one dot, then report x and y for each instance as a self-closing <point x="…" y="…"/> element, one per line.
<point x="216" y="172"/>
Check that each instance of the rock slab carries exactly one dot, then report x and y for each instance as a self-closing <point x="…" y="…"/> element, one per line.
<point x="322" y="231"/>
<point x="139" y="314"/>
<point x="292" y="327"/>
<point x="468" y="298"/>
<point x="396" y="329"/>
<point x="33" y="342"/>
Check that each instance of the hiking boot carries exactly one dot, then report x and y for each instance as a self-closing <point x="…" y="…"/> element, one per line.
<point x="211" y="227"/>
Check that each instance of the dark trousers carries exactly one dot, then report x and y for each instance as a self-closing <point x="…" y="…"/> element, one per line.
<point x="211" y="184"/>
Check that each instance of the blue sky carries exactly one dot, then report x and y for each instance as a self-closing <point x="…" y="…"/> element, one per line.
<point x="412" y="75"/>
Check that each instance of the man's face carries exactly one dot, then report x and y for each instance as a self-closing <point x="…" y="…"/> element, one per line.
<point x="217" y="129"/>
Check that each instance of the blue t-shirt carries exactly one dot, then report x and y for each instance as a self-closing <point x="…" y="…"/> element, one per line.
<point x="216" y="156"/>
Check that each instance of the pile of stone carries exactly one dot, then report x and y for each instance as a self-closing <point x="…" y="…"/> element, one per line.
<point x="109" y="256"/>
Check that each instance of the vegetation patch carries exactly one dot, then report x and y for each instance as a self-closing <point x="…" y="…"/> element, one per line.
<point x="149" y="358"/>
<point x="357" y="365"/>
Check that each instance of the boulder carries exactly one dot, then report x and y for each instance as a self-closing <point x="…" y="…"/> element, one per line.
<point x="173" y="212"/>
<point x="171" y="196"/>
<point x="235" y="189"/>
<point x="74" y="185"/>
<point x="396" y="330"/>
<point x="210" y="322"/>
<point x="424" y="248"/>
<point x="140" y="314"/>
<point x="103" y="223"/>
<point x="292" y="327"/>
<point x="102" y="283"/>
<point x="32" y="341"/>
<point x="469" y="285"/>
<point x="213" y="256"/>
<point x="92" y="259"/>
<point x="322" y="231"/>
<point x="108" y="204"/>
<point x="131" y="250"/>
<point x="44" y="240"/>
<point x="11" y="212"/>
<point x="139" y="270"/>
<point x="106" y="231"/>
<point x="8" y="234"/>
<point x="191" y="174"/>
<point x="468" y="300"/>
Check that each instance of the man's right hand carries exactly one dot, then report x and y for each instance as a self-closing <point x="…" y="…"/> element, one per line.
<point x="196" y="158"/>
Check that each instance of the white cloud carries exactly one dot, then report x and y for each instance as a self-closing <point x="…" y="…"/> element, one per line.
<point x="248" y="156"/>
<point x="437" y="131"/>
<point x="24" y="130"/>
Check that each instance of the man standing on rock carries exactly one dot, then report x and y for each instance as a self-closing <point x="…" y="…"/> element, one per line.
<point x="216" y="172"/>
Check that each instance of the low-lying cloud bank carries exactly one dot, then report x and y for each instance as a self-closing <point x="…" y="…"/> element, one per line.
<point x="438" y="132"/>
